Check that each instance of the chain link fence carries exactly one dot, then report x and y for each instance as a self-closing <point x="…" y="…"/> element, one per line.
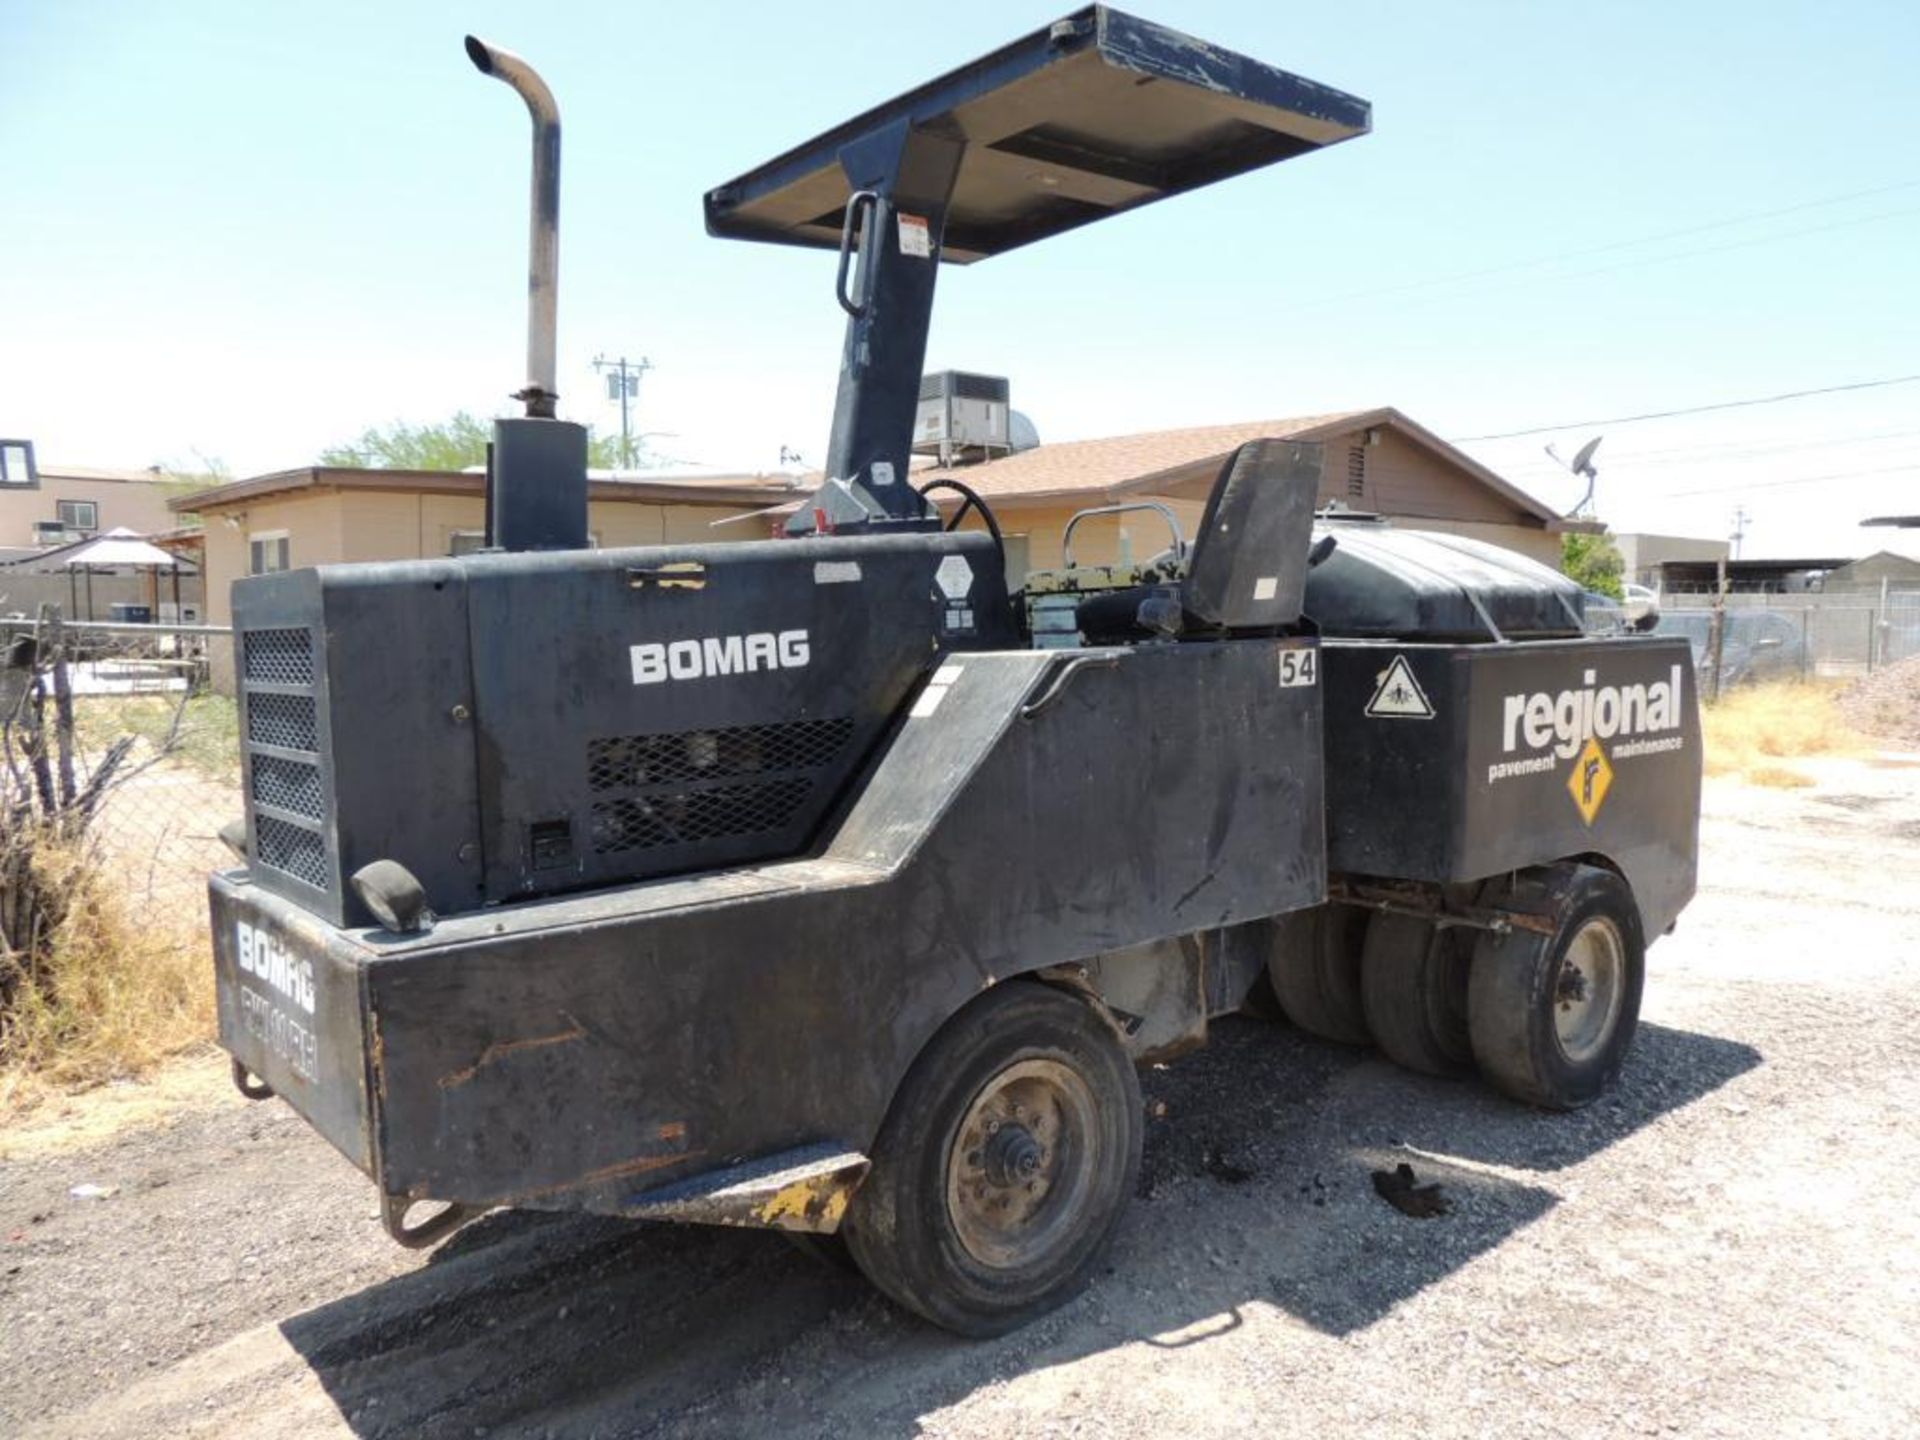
<point x="1813" y="635"/>
<point x="141" y="723"/>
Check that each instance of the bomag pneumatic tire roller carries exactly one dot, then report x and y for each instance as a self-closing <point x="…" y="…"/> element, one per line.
<point x="822" y="884"/>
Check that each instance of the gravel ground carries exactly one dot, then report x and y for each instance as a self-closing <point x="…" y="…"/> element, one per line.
<point x="1886" y="704"/>
<point x="1729" y="1245"/>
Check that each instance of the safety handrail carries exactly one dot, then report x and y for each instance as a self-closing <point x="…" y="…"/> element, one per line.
<point x="871" y="199"/>
<point x="1164" y="510"/>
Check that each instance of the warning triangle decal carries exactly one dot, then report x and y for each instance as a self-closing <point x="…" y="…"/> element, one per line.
<point x="1398" y="696"/>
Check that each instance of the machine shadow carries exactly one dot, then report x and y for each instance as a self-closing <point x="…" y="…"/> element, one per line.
<point x="1256" y="1190"/>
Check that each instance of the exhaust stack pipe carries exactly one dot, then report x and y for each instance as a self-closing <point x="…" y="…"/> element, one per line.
<point x="537" y="465"/>
<point x="543" y="246"/>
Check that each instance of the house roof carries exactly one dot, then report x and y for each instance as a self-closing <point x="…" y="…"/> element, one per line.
<point x="1896" y="556"/>
<point x="1158" y="461"/>
<point x="153" y="476"/>
<point x="669" y="490"/>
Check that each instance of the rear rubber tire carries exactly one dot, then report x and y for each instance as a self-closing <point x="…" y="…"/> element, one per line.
<point x="1315" y="969"/>
<point x="1550" y="1027"/>
<point x="931" y="1227"/>
<point x="1413" y="983"/>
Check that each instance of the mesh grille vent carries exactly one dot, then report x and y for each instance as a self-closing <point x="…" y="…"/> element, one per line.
<point x="1356" y="472"/>
<point x="649" y="822"/>
<point x="300" y="853"/>
<point x="287" y="721"/>
<point x="635" y="761"/>
<point x="280" y="657"/>
<point x="288" y="785"/>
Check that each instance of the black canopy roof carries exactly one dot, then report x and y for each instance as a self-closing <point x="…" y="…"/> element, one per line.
<point x="1098" y="113"/>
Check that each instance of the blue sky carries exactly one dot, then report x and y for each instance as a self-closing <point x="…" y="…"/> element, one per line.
<point x="247" y="230"/>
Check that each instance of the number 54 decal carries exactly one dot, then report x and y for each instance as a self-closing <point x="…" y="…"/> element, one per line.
<point x="1299" y="667"/>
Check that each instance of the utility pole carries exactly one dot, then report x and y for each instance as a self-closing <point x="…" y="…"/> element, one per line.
<point x="1740" y="518"/>
<point x="623" y="384"/>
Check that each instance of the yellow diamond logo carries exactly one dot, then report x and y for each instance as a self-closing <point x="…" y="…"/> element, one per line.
<point x="1592" y="777"/>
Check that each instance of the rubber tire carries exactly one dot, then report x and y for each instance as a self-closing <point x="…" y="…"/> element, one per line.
<point x="1413" y="985"/>
<point x="1315" y="969"/>
<point x="1510" y="1001"/>
<point x="898" y="1228"/>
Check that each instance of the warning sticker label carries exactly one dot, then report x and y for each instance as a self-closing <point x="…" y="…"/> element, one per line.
<point x="1397" y="695"/>
<point x="954" y="577"/>
<point x="915" y="237"/>
<point x="1592" y="777"/>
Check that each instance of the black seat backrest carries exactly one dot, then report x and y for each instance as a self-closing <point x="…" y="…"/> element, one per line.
<point x="1249" y="566"/>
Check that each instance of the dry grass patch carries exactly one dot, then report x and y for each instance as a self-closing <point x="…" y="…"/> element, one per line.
<point x="105" y="998"/>
<point x="1752" y="729"/>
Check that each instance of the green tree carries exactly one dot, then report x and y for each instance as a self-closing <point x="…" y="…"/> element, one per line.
<point x="1593" y="562"/>
<point x="179" y="479"/>
<point x="458" y="443"/>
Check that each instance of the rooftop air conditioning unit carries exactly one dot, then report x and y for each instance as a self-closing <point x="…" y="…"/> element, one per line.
<point x="962" y="417"/>
<point x="50" y="532"/>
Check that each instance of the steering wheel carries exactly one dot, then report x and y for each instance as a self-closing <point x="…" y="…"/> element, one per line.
<point x="972" y="502"/>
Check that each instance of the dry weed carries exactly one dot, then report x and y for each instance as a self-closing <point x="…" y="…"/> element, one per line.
<point x="109" y="998"/>
<point x="1752" y="728"/>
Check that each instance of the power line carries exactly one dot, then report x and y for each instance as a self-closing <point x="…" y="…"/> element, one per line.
<point x="1746" y="244"/>
<point x="1613" y="245"/>
<point x="1711" y="451"/>
<point x="1797" y="480"/>
<point x="1692" y="409"/>
<point x="1632" y="464"/>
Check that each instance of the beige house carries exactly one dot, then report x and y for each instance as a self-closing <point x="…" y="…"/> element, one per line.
<point x="1643" y="557"/>
<point x="58" y="504"/>
<point x="1375" y="460"/>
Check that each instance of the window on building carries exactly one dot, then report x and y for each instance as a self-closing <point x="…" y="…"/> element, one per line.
<point x="1356" y="472"/>
<point x="78" y="514"/>
<point x="269" y="553"/>
<point x="16" y="465"/>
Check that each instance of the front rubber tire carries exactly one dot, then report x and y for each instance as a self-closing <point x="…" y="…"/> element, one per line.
<point x="955" y="1233"/>
<point x="1553" y="1015"/>
<point x="1413" y="983"/>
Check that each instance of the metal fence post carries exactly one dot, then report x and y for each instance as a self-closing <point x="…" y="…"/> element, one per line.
<point x="1717" y="633"/>
<point x="1881" y="628"/>
<point x="135" y="736"/>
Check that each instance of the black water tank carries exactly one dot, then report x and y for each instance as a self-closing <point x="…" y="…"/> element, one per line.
<point x="1382" y="582"/>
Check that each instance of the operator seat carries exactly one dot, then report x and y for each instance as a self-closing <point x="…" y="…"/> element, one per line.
<point x="1248" y="567"/>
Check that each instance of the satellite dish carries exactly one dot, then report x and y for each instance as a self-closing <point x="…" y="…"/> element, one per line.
<point x="1582" y="466"/>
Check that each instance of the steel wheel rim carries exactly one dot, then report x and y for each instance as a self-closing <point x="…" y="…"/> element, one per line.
<point x="1589" y="989"/>
<point x="1020" y="1167"/>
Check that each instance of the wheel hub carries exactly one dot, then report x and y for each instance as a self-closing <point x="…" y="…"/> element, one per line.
<point x="1020" y="1164"/>
<point x="1013" y="1156"/>
<point x="1590" y="990"/>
